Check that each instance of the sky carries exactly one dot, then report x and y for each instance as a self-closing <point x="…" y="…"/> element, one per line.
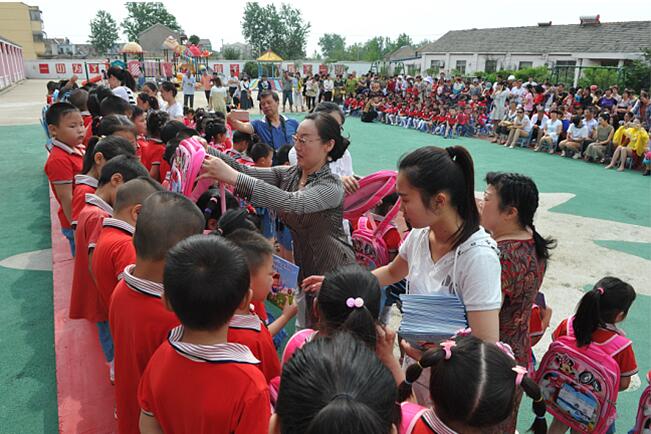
<point x="357" y="21"/>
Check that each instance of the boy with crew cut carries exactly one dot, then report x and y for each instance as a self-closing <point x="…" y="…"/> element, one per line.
<point x="206" y="278"/>
<point x="84" y="298"/>
<point x="138" y="318"/>
<point x="66" y="159"/>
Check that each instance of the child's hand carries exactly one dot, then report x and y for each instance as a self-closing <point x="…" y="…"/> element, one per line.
<point x="312" y="283"/>
<point x="386" y="338"/>
<point x="290" y="309"/>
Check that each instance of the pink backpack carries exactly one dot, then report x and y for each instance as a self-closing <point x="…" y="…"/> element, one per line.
<point x="643" y="419"/>
<point x="371" y="250"/>
<point x="186" y="167"/>
<point x="580" y="385"/>
<point x="299" y="339"/>
<point x="411" y="412"/>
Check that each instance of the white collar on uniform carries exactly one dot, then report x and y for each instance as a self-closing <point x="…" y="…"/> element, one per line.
<point x="64" y="147"/>
<point x="93" y="199"/>
<point x="86" y="180"/>
<point x="247" y="322"/>
<point x="217" y="353"/>
<point x="118" y="224"/>
<point x="434" y="423"/>
<point x="146" y="287"/>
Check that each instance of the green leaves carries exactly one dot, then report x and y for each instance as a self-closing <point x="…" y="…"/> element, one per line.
<point x="144" y="15"/>
<point x="103" y="32"/>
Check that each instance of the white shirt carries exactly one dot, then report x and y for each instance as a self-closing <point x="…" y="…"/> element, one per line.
<point x="125" y="93"/>
<point x="472" y="271"/>
<point x="590" y="125"/>
<point x="578" y="133"/>
<point x="552" y="128"/>
<point x="328" y="85"/>
<point x="175" y="111"/>
<point x="341" y="167"/>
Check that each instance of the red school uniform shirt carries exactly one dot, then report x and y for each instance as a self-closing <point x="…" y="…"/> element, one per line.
<point x="62" y="164"/>
<point x="152" y="153"/>
<point x="229" y="395"/>
<point x="625" y="358"/>
<point x="84" y="298"/>
<point x="139" y="325"/>
<point x="462" y="119"/>
<point x="83" y="185"/>
<point x="429" y="423"/>
<point x="249" y="330"/>
<point x="450" y="119"/>
<point x="113" y="252"/>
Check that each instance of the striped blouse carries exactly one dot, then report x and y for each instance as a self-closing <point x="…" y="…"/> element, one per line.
<point x="314" y="214"/>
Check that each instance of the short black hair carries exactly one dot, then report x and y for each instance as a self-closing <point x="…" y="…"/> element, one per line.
<point x="256" y="248"/>
<point x="57" y="111"/>
<point x="260" y="150"/>
<point x="239" y="136"/>
<point x="165" y="219"/>
<point x="170" y="130"/>
<point x="266" y="93"/>
<point x="129" y="166"/>
<point x="282" y="154"/>
<point x="205" y="280"/>
<point x="114" y="105"/>
<point x="155" y="122"/>
<point x="135" y="191"/>
<point x="79" y="98"/>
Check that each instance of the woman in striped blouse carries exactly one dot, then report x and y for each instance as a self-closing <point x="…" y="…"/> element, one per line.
<point x="307" y="197"/>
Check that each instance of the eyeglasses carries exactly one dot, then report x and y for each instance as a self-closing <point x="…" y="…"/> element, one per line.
<point x="302" y="139"/>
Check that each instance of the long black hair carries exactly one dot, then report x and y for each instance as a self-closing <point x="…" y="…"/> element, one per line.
<point x="600" y="306"/>
<point x="109" y="147"/>
<point x="124" y="77"/>
<point x="520" y="192"/>
<point x="95" y="98"/>
<point x="336" y="385"/>
<point x="433" y="170"/>
<point x="340" y="286"/>
<point x="475" y="385"/>
<point x="155" y="122"/>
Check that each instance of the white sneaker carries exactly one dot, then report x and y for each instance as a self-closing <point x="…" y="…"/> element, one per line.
<point x="576" y="156"/>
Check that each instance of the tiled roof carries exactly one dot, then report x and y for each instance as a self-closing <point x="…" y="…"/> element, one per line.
<point x="404" y="52"/>
<point x="616" y="37"/>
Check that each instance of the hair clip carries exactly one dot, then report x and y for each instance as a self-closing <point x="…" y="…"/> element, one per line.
<point x="463" y="332"/>
<point x="355" y="302"/>
<point x="207" y="211"/>
<point x="601" y="290"/>
<point x="447" y="348"/>
<point x="506" y="349"/>
<point x="520" y="373"/>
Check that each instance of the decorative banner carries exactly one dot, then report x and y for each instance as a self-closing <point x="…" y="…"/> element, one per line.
<point x="167" y="69"/>
<point x="43" y="68"/>
<point x="291" y="68"/>
<point x="134" y="68"/>
<point x="323" y="69"/>
<point x="93" y="68"/>
<point x="340" y="69"/>
<point x="76" y="68"/>
<point x="60" y="68"/>
<point x="218" y="68"/>
<point x="307" y="69"/>
<point x="235" y="69"/>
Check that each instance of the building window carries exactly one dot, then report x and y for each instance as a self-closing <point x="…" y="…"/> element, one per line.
<point x="35" y="15"/>
<point x="525" y="65"/>
<point x="461" y="66"/>
<point x="610" y="62"/>
<point x="566" y="63"/>
<point x="37" y="36"/>
<point x="435" y="65"/>
<point x="491" y="66"/>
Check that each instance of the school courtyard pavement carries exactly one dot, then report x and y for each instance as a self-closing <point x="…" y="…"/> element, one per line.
<point x="602" y="220"/>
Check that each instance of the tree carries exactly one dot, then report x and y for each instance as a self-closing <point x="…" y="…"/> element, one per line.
<point x="403" y="39"/>
<point x="230" y="53"/>
<point x="194" y="39"/>
<point x="269" y="28"/>
<point x="333" y="46"/>
<point x="103" y="32"/>
<point x="144" y="15"/>
<point x="637" y="74"/>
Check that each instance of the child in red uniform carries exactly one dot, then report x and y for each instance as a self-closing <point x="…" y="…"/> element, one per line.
<point x="335" y="385"/>
<point x="97" y="154"/>
<point x="152" y="152"/>
<point x="596" y="315"/>
<point x="450" y="123"/>
<point x="139" y="119"/>
<point x="139" y="320"/>
<point x="114" y="249"/>
<point x="472" y="385"/>
<point x="66" y="127"/>
<point x="197" y="382"/>
<point x="79" y="98"/>
<point x="84" y="298"/>
<point x="247" y="328"/>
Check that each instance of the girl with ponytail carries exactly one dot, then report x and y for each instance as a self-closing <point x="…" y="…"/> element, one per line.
<point x="122" y="83"/>
<point x="473" y="386"/>
<point x="510" y="203"/>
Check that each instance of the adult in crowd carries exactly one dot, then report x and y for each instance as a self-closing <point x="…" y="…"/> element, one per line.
<point x="297" y="91"/>
<point x="245" y="93"/>
<point x="624" y="105"/>
<point x="538" y="123"/>
<point x="287" y="86"/>
<point x="551" y="132"/>
<point x="343" y="167"/>
<point x="576" y="135"/>
<point x="275" y="129"/>
<point x="597" y="150"/>
<point x="173" y="108"/>
<point x="263" y="85"/>
<point x="206" y="84"/>
<point x="507" y="212"/>
<point x="499" y="106"/>
<point x="307" y="198"/>
<point x="607" y="101"/>
<point x="233" y="86"/>
<point x="520" y="128"/>
<point x="328" y="88"/>
<point x="311" y="91"/>
<point x="188" y="84"/>
<point x="642" y="110"/>
<point x="218" y="96"/>
<point x="121" y="83"/>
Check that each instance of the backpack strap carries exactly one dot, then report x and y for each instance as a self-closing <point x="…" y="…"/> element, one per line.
<point x="388" y="219"/>
<point x="613" y="346"/>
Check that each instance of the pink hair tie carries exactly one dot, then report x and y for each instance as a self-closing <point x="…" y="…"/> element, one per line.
<point x="463" y="332"/>
<point x="521" y="372"/>
<point x="601" y="290"/>
<point x="355" y="303"/>
<point x="506" y="349"/>
<point x="447" y="348"/>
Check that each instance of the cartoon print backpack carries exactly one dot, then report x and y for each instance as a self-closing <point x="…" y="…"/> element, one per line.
<point x="643" y="419"/>
<point x="369" y="245"/>
<point x="580" y="385"/>
<point x="185" y="169"/>
<point x="411" y="412"/>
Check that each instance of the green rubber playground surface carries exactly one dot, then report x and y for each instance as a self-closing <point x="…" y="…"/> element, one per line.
<point x="27" y="363"/>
